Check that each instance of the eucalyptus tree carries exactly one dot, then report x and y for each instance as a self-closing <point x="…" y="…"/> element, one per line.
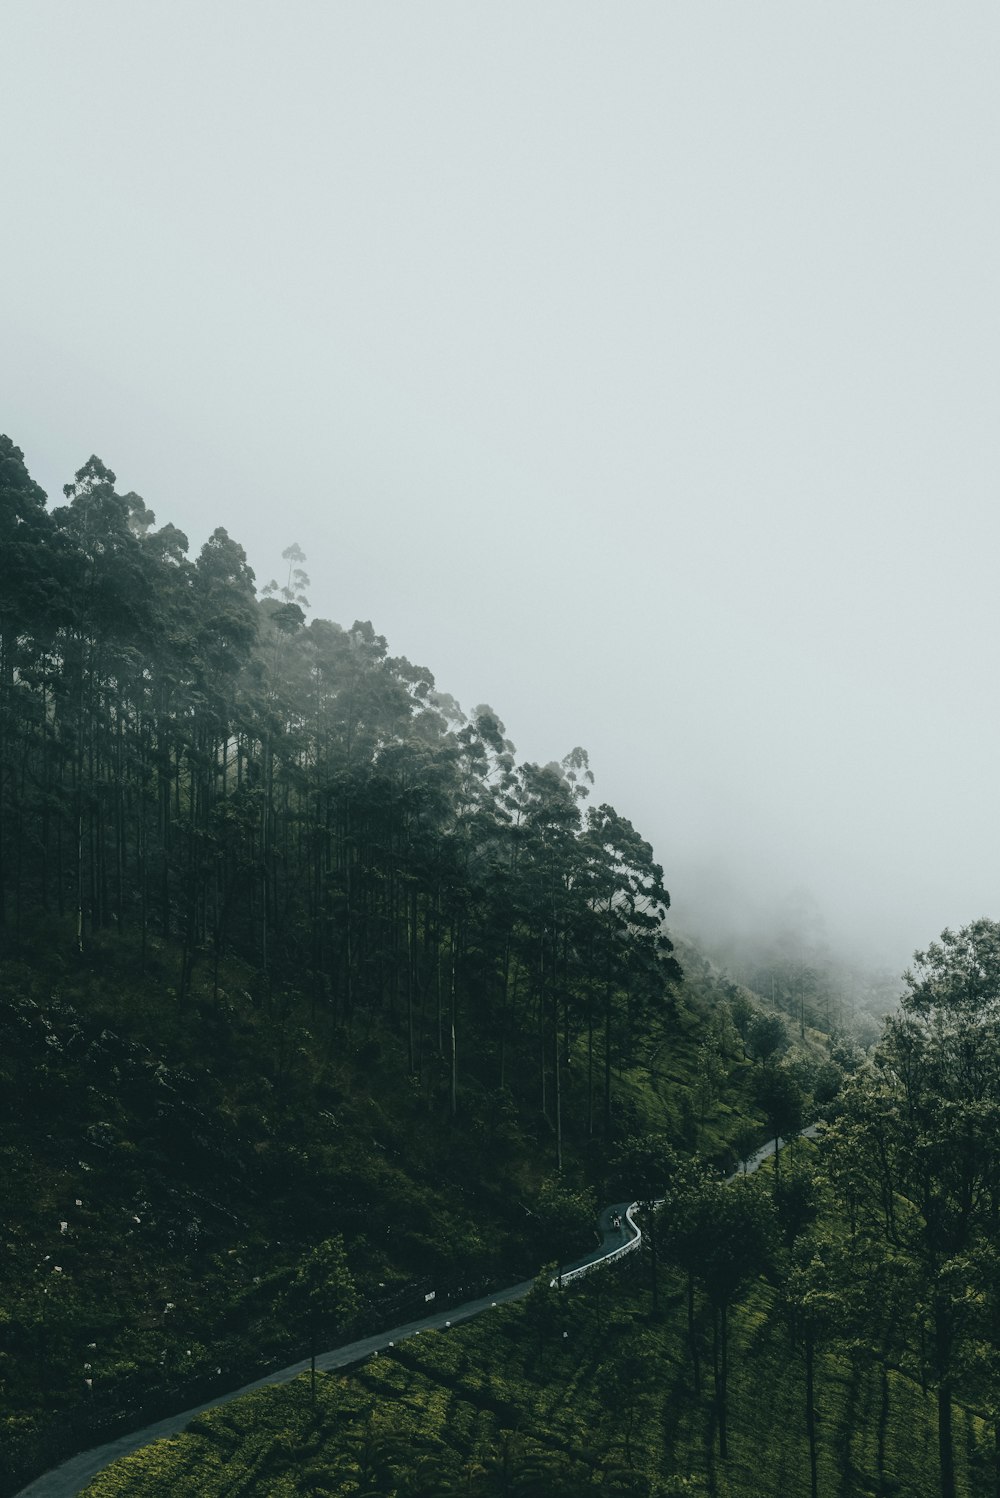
<point x="647" y="1167"/>
<point x="493" y="833"/>
<point x="25" y="599"/>
<point x="736" y="1228"/>
<point x="548" y="884"/>
<point x="106" y="626"/>
<point x="722" y="1235"/>
<point x="924" y="1123"/>
<point x="681" y="1235"/>
<point x="628" y="902"/>
<point x="223" y="625"/>
<point x="323" y="1293"/>
<point x="814" y="1299"/>
<point x="88" y="606"/>
<point x="780" y="1098"/>
<point x="743" y="1012"/>
<point x="177" y="752"/>
<point x="767" y="1036"/>
<point x="163" y="708"/>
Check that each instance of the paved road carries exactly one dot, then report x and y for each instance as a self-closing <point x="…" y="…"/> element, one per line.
<point x="72" y="1476"/>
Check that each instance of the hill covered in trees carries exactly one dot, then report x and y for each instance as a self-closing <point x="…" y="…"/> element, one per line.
<point x="827" y="1327"/>
<point x="293" y="952"/>
<point x="185" y="761"/>
<point x="314" y="1000"/>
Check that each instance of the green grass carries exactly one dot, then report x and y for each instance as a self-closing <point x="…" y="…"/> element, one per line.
<point x="609" y="1407"/>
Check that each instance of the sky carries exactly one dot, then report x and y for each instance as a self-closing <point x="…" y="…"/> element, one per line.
<point x="635" y="367"/>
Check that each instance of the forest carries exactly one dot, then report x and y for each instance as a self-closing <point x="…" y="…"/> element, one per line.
<point x="316" y="1001"/>
<point x="181" y="759"/>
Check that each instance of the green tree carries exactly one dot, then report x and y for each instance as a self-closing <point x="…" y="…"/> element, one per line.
<point x="767" y="1037"/>
<point x="744" y="1143"/>
<point x="564" y="1216"/>
<point x="814" y="1300"/>
<point x="26" y="597"/>
<point x="743" y="1012"/>
<point x="925" y="1122"/>
<point x="323" y="1294"/>
<point x="627" y="896"/>
<point x="682" y="1230"/>
<point x="779" y="1097"/>
<point x="735" y="1227"/>
<point x="645" y="1167"/>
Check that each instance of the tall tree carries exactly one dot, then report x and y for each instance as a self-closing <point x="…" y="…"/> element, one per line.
<point x="926" y="1119"/>
<point x="628" y="897"/>
<point x="779" y="1097"/>
<point x="323" y="1294"/>
<point x="26" y="597"/>
<point x="733" y="1226"/>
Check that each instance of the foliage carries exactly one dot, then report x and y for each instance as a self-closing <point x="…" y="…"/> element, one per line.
<point x="292" y="947"/>
<point x="496" y="1408"/>
<point x="914" y="1156"/>
<point x="314" y="1000"/>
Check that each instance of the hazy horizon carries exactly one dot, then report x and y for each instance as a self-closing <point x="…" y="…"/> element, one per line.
<point x="634" y="370"/>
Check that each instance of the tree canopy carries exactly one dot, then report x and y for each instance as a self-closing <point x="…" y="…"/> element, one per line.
<point x="186" y="758"/>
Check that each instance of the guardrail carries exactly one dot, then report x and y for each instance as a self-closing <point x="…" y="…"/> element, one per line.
<point x="579" y="1270"/>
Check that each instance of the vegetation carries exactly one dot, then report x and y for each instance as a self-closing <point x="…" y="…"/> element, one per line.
<point x="180" y="760"/>
<point x="572" y="1392"/>
<point x="916" y="1160"/>
<point x="244" y="1136"/>
<point x="292" y="951"/>
<point x="315" y="1001"/>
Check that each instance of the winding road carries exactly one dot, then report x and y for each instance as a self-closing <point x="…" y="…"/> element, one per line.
<point x="72" y="1476"/>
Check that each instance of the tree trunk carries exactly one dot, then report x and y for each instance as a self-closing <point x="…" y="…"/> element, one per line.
<point x="590" y="1061"/>
<point x="811" y="1415"/>
<point x="454" y="1026"/>
<point x="692" y="1335"/>
<point x="724" y="1406"/>
<point x="945" y="1447"/>
<point x="607" y="1064"/>
<point x="942" y="1351"/>
<point x="558" y="1087"/>
<point x="505" y="988"/>
<point x="719" y="1371"/>
<point x="411" y="941"/>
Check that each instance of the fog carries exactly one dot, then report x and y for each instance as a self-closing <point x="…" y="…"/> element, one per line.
<point x="633" y="367"/>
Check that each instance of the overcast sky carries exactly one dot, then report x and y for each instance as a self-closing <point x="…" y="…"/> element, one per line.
<point x="632" y="366"/>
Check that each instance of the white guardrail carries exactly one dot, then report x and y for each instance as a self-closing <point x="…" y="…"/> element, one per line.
<point x="747" y="1167"/>
<point x="579" y="1270"/>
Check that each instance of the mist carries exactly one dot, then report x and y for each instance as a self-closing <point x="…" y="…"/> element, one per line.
<point x="636" y="371"/>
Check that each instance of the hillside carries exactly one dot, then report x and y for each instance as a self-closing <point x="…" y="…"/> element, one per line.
<point x="570" y="1394"/>
<point x="169" y="1172"/>
<point x="316" y="1001"/>
<point x="294" y="952"/>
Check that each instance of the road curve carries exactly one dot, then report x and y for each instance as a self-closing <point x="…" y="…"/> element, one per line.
<point x="72" y="1476"/>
